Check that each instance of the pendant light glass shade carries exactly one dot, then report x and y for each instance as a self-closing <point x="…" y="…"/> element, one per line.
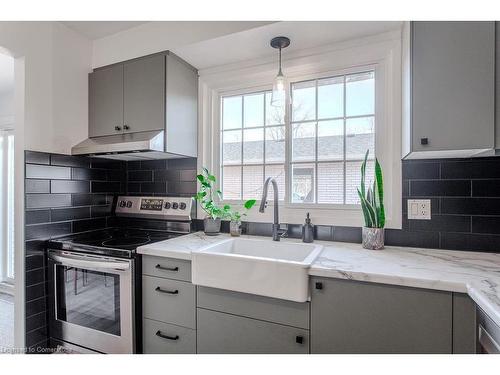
<point x="278" y="96"/>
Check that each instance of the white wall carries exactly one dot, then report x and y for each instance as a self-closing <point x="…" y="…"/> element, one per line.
<point x="57" y="61"/>
<point x="6" y="108"/>
<point x="160" y="36"/>
<point x="50" y="110"/>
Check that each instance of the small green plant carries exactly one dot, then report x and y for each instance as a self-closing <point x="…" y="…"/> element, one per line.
<point x="236" y="215"/>
<point x="207" y="194"/>
<point x="372" y="199"/>
<point x="206" y="197"/>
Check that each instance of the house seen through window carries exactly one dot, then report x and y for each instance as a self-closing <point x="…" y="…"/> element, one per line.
<point x="329" y="126"/>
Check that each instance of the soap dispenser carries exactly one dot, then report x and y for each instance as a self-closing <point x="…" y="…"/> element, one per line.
<point x="307" y="230"/>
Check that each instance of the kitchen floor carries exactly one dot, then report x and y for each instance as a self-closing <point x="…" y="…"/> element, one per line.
<point x="6" y="321"/>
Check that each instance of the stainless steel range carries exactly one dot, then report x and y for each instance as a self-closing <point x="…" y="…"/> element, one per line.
<point x="95" y="276"/>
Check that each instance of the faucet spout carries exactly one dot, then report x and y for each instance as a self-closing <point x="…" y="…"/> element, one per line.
<point x="263" y="205"/>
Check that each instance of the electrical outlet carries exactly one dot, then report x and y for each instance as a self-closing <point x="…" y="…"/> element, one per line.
<point x="419" y="209"/>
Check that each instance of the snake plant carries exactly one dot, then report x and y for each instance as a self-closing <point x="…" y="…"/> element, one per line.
<point x="372" y="198"/>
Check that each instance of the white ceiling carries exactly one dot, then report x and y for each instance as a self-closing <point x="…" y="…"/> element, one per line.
<point x="6" y="74"/>
<point x="99" y="29"/>
<point x="254" y="43"/>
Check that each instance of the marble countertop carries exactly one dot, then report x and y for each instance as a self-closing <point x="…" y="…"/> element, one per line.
<point x="475" y="273"/>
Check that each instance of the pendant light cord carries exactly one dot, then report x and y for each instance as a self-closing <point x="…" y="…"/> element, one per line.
<point x="280" y="72"/>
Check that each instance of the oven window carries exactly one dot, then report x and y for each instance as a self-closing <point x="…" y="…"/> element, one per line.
<point x="88" y="298"/>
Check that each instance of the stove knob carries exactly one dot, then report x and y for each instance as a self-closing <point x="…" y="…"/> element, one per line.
<point x="122" y="203"/>
<point x="167" y="205"/>
<point x="175" y="205"/>
<point x="182" y="206"/>
<point x="129" y="204"/>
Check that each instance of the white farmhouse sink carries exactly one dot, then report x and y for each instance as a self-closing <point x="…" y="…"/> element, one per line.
<point x="263" y="267"/>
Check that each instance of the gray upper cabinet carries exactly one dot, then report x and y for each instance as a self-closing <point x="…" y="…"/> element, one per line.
<point x="144" y="94"/>
<point x="152" y="93"/>
<point x="350" y="317"/>
<point x="451" y="89"/>
<point x="106" y="101"/>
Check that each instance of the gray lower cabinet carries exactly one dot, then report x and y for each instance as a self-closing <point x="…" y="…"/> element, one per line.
<point x="168" y="306"/>
<point x="162" y="338"/>
<point x="221" y="333"/>
<point x="233" y="322"/>
<point x="169" y="301"/>
<point x="357" y="317"/>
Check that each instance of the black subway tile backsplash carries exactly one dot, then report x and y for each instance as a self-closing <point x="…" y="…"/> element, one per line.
<point x="48" y="172"/>
<point x="59" y="201"/>
<point x="422" y="171"/>
<point x="61" y="186"/>
<point x="47" y="200"/>
<point x="37" y="186"/>
<point x="438" y="188"/>
<point x="486" y="188"/>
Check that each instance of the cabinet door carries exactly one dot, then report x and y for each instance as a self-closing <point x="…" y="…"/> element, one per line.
<point x="220" y="333"/>
<point x="106" y="101"/>
<point x="453" y="76"/>
<point x="144" y="94"/>
<point x="355" y="317"/>
<point x="162" y="338"/>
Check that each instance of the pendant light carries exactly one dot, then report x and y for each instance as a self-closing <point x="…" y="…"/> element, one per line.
<point x="278" y="95"/>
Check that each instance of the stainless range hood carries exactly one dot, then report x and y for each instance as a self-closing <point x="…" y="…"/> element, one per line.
<point x="130" y="146"/>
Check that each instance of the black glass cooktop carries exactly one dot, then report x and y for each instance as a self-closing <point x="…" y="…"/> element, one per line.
<point x="111" y="241"/>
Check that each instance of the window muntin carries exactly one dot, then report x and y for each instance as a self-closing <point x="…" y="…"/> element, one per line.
<point x="253" y="145"/>
<point x="331" y="125"/>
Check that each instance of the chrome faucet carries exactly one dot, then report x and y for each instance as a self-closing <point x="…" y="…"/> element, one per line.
<point x="277" y="232"/>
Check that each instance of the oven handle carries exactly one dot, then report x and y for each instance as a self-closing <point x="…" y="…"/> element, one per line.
<point x="87" y="262"/>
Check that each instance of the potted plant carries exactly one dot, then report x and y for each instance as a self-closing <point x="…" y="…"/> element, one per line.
<point x="372" y="204"/>
<point x="235" y="218"/>
<point x="205" y="197"/>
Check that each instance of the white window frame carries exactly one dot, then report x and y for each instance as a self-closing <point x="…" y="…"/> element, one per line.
<point x="381" y="53"/>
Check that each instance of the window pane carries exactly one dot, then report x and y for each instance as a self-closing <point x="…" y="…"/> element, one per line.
<point x="231" y="183"/>
<point x="303" y="141"/>
<point x="360" y="94"/>
<point x="253" y="146"/>
<point x="303" y="177"/>
<point x="231" y="112"/>
<point x="331" y="97"/>
<point x="253" y="110"/>
<point x="360" y="136"/>
<point x="275" y="144"/>
<point x="277" y="171"/>
<point x="253" y="179"/>
<point x="331" y="140"/>
<point x="353" y="179"/>
<point x="231" y="148"/>
<point x="303" y="101"/>
<point x="274" y="115"/>
<point x="331" y="183"/>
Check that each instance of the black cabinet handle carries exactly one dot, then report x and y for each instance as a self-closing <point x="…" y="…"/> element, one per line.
<point x="158" y="289"/>
<point x="318" y="286"/>
<point x="175" y="269"/>
<point x="118" y="128"/>
<point x="424" y="141"/>
<point x="159" y="334"/>
<point x="126" y="127"/>
<point x="299" y="339"/>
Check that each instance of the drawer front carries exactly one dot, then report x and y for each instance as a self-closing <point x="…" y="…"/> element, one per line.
<point x="162" y="338"/>
<point x="257" y="307"/>
<point x="168" y="268"/>
<point x="169" y="301"/>
<point x="220" y="333"/>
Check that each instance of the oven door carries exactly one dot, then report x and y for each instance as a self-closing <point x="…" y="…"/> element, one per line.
<point x="91" y="301"/>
